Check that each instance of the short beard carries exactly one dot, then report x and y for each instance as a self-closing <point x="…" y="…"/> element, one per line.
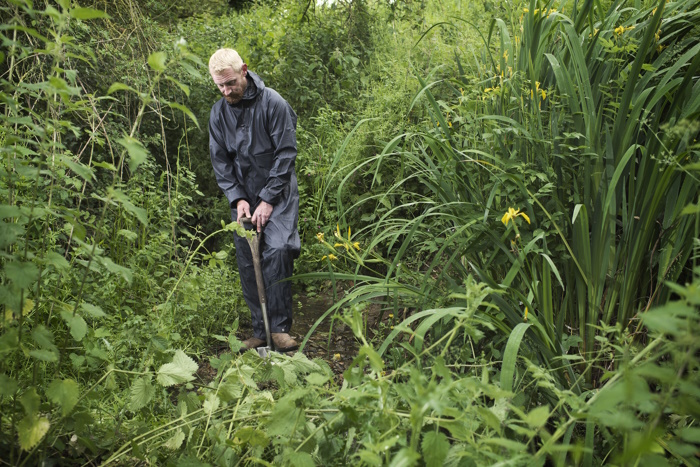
<point x="232" y="100"/>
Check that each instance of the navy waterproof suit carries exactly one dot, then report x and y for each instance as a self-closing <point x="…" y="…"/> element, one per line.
<point x="253" y="147"/>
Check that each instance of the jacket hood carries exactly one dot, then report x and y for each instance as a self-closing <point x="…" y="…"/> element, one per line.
<point x="255" y="87"/>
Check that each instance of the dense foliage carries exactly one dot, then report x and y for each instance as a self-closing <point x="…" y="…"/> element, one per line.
<point x="513" y="185"/>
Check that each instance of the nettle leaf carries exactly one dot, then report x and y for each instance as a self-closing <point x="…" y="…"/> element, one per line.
<point x="76" y="324"/>
<point x="299" y="459"/>
<point x="9" y="341"/>
<point x="157" y="61"/>
<point x="31" y="430"/>
<point x="93" y="310"/>
<point x="405" y="457"/>
<point x="537" y="417"/>
<point x="87" y="13"/>
<point x="125" y="201"/>
<point x="252" y="436"/>
<point x="8" y="386"/>
<point x="31" y="401"/>
<point x="57" y="261"/>
<point x="120" y="87"/>
<point x="175" y="441"/>
<point x="65" y="393"/>
<point x="44" y="355"/>
<point x="211" y="404"/>
<point x="114" y="268"/>
<point x="285" y="416"/>
<point x="80" y="169"/>
<point x="142" y="392"/>
<point x="23" y="274"/>
<point x="435" y="447"/>
<point x="180" y="370"/>
<point x="137" y="152"/>
<point x="184" y="110"/>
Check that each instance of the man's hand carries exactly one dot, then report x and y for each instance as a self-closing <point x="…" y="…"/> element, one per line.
<point x="261" y="215"/>
<point x="243" y="208"/>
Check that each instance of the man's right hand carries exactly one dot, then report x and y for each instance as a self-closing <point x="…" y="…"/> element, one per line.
<point x="243" y="208"/>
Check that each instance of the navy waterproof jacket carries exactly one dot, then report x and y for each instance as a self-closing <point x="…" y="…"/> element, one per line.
<point x="252" y="145"/>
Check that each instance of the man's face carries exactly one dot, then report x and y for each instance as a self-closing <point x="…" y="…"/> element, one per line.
<point x="232" y="84"/>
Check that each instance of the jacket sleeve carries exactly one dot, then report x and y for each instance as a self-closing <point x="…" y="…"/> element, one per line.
<point x="282" y="123"/>
<point x="223" y="164"/>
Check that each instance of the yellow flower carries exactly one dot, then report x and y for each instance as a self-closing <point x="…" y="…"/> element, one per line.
<point x="512" y="214"/>
<point x="391" y="315"/>
<point x="336" y="357"/>
<point x="525" y="316"/>
<point x="331" y="257"/>
<point x="619" y="30"/>
<point x="505" y="55"/>
<point x="337" y="231"/>
<point x="543" y="94"/>
<point x="449" y="124"/>
<point x="319" y="236"/>
<point x="356" y="245"/>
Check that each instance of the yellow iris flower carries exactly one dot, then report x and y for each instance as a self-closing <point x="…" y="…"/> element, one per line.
<point x="512" y="214"/>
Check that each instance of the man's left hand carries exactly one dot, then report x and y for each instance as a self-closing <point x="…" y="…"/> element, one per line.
<point x="261" y="215"/>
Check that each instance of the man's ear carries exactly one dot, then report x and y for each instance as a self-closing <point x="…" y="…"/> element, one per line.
<point x="244" y="69"/>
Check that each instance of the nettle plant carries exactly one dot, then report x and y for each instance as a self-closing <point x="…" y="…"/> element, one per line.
<point x="77" y="221"/>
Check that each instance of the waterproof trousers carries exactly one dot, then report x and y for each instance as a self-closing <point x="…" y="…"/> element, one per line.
<point x="277" y="264"/>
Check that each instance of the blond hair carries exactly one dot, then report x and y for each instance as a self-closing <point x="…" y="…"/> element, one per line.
<point x="223" y="59"/>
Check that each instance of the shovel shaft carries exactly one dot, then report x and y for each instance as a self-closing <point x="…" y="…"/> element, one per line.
<point x="254" y="244"/>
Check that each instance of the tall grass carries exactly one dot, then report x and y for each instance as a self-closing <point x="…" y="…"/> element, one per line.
<point x="585" y="120"/>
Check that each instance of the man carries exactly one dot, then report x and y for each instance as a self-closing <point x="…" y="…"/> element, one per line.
<point x="252" y="143"/>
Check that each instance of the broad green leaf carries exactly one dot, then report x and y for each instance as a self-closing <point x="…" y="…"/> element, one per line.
<point x="180" y="370"/>
<point x="285" y="416"/>
<point x="65" y="393"/>
<point x="9" y="341"/>
<point x="299" y="459"/>
<point x="119" y="87"/>
<point x="93" y="310"/>
<point x="537" y="417"/>
<point x="114" y="268"/>
<point x="82" y="170"/>
<point x="31" y="401"/>
<point x="317" y="379"/>
<point x="8" y="386"/>
<point x="23" y="274"/>
<point x="157" y="60"/>
<point x="435" y="446"/>
<point x="87" y="13"/>
<point x="211" y="404"/>
<point x="137" y="152"/>
<point x="252" y="436"/>
<point x="230" y="389"/>
<point x="57" y="261"/>
<point x="125" y="201"/>
<point x="128" y="234"/>
<point x="76" y="324"/>
<point x="9" y="233"/>
<point x="182" y="86"/>
<point x="404" y="458"/>
<point x="186" y="111"/>
<point x="43" y="337"/>
<point x="175" y="441"/>
<point x="690" y="434"/>
<point x="141" y="393"/>
<point x="44" y="355"/>
<point x="31" y="430"/>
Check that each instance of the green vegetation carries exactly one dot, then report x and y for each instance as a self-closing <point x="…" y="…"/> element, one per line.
<point x="514" y="186"/>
